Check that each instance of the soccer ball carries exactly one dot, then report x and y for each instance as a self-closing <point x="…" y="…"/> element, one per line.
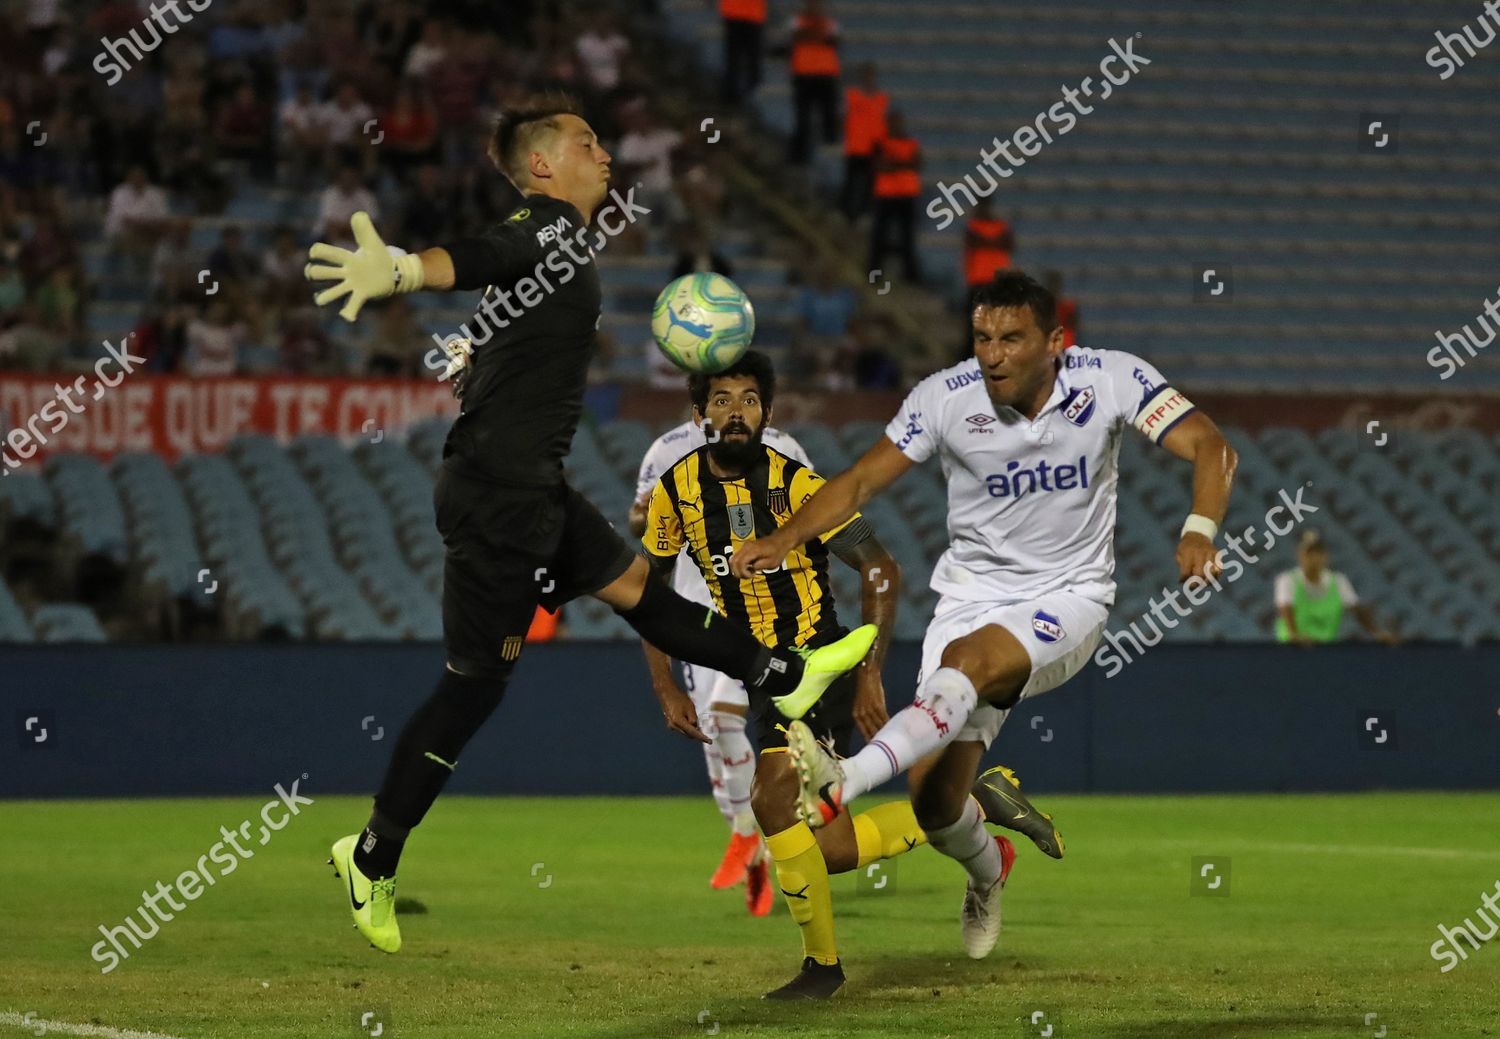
<point x="703" y="322"/>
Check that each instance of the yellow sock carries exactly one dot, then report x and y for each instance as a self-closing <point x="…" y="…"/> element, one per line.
<point x="803" y="876"/>
<point x="887" y="830"/>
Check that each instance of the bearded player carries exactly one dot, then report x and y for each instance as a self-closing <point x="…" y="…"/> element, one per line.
<point x="515" y="535"/>
<point x="1027" y="580"/>
<point x="720" y="701"/>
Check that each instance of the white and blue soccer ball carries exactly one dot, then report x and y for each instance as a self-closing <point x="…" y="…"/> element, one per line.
<point x="703" y="322"/>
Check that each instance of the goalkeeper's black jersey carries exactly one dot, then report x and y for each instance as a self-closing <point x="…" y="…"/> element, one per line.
<point x="533" y="336"/>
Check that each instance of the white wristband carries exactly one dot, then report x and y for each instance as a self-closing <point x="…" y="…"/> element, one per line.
<point x="1196" y="524"/>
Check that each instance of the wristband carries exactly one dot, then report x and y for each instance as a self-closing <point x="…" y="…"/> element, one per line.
<point x="1196" y="524"/>
<point x="408" y="273"/>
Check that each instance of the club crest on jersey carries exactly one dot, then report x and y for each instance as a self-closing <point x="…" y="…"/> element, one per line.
<point x="741" y="520"/>
<point x="1046" y="627"/>
<point x="776" y="500"/>
<point x="1079" y="407"/>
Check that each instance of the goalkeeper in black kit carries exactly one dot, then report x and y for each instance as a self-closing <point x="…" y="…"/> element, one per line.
<point x="516" y="535"/>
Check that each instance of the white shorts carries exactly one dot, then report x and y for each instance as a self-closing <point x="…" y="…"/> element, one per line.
<point x="710" y="687"/>
<point x="1059" y="631"/>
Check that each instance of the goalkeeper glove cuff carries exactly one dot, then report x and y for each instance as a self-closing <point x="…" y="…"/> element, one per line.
<point x="408" y="273"/>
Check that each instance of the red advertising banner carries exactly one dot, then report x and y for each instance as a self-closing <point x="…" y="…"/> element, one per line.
<point x="176" y="415"/>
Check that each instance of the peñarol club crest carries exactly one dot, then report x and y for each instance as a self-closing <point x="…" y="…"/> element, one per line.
<point x="741" y="520"/>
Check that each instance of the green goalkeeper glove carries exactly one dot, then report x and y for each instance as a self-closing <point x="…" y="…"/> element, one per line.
<point x="373" y="271"/>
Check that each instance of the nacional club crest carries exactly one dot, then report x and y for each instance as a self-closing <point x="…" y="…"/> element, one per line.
<point x="776" y="500"/>
<point x="1046" y="627"/>
<point x="741" y="520"/>
<point x="1079" y="407"/>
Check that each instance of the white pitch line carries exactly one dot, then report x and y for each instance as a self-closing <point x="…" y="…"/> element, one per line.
<point x="1415" y="851"/>
<point x="39" y="1026"/>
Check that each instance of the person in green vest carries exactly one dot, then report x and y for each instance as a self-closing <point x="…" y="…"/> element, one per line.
<point x="1311" y="599"/>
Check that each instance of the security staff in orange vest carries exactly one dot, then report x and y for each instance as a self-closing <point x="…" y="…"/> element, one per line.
<point x="864" y="125"/>
<point x="898" y="185"/>
<point x="815" y="78"/>
<point x="988" y="244"/>
<point x="744" y="28"/>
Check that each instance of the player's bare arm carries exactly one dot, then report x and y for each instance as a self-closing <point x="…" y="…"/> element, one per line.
<point x="637" y="518"/>
<point x="831" y="505"/>
<point x="676" y="705"/>
<point x="880" y="592"/>
<point x="1198" y="440"/>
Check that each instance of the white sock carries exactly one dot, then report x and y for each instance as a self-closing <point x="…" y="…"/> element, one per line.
<point x="971" y="844"/>
<point x="715" y="762"/>
<point x="737" y="766"/>
<point x="943" y="704"/>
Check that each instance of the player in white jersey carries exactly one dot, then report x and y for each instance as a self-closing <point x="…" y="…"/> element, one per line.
<point x="721" y="702"/>
<point x="1028" y="435"/>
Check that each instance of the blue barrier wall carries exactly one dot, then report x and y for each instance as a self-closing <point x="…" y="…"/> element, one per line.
<point x="580" y="718"/>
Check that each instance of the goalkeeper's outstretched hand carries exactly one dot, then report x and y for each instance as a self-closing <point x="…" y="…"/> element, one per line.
<point x="374" y="270"/>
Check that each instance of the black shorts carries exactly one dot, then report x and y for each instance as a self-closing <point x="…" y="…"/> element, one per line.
<point x="510" y="549"/>
<point x="832" y="718"/>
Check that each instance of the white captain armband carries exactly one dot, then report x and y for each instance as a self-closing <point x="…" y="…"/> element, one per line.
<point x="1163" y="410"/>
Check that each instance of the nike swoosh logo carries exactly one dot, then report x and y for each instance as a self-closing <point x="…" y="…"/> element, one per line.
<point x="823" y="793"/>
<point x="910" y="844"/>
<point x="800" y="893"/>
<point x="1021" y="810"/>
<point x="357" y="903"/>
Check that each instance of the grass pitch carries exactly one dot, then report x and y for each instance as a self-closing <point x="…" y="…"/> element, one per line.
<point x="593" y="918"/>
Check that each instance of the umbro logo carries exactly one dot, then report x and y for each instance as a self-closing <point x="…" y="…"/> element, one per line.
<point x="979" y="423"/>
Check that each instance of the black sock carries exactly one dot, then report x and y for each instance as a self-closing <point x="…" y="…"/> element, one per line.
<point x="695" y="633"/>
<point x="376" y="855"/>
<point x="425" y="755"/>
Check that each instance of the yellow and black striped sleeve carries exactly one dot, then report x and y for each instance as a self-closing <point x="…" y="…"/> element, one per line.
<point x="804" y="483"/>
<point x="663" y="536"/>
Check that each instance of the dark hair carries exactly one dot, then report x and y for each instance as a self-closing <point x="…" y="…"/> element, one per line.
<point x="517" y="129"/>
<point x="754" y="364"/>
<point x="1016" y="288"/>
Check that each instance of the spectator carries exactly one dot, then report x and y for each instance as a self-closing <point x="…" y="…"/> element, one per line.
<point x="646" y="149"/>
<point x="136" y="219"/>
<point x="303" y="137"/>
<point x="243" y="130"/>
<point x="410" y="129"/>
<point x="230" y="263"/>
<point x="28" y="346"/>
<point x="282" y="265"/>
<point x="744" y="31"/>
<point x="1067" y="308"/>
<point x="175" y="266"/>
<point x="988" y="244"/>
<point x="600" y="49"/>
<point x="397" y="346"/>
<point x="864" y="127"/>
<point x="815" y="79"/>
<point x="213" y="341"/>
<point x="49" y="247"/>
<point x="1311" y="599"/>
<point x="695" y="255"/>
<point x="339" y="202"/>
<point x="898" y="185"/>
<point x="699" y="194"/>
<point x="344" y="121"/>
<point x="429" y="52"/>
<point x="305" y="348"/>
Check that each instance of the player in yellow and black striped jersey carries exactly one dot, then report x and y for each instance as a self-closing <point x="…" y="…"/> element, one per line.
<point x="711" y="501"/>
<point x="792" y="604"/>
